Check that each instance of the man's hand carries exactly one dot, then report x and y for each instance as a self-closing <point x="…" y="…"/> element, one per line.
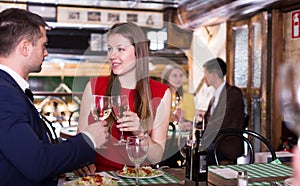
<point x="88" y="170"/>
<point x="99" y="132"/>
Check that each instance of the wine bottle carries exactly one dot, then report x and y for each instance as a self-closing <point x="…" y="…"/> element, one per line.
<point x="202" y="161"/>
<point x="196" y="166"/>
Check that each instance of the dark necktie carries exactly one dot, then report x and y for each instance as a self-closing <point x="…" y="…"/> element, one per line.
<point x="29" y="94"/>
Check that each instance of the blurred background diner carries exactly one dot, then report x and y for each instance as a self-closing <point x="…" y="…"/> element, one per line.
<point x="253" y="37"/>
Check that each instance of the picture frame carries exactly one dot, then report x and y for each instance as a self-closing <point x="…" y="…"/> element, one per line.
<point x="4" y="6"/>
<point x="109" y="17"/>
<point x="48" y="13"/>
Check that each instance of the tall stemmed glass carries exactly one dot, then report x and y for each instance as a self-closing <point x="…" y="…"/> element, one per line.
<point x="289" y="96"/>
<point x="184" y="139"/>
<point x="120" y="104"/>
<point x="100" y="108"/>
<point x="186" y="136"/>
<point x="137" y="149"/>
<point x="187" y="141"/>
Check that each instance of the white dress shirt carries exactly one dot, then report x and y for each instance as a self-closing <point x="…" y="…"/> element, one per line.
<point x="217" y="97"/>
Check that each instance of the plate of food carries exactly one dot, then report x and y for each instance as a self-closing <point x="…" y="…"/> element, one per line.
<point x="144" y="172"/>
<point x="95" y="180"/>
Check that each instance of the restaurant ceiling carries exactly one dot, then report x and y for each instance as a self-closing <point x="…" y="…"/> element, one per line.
<point x="194" y="13"/>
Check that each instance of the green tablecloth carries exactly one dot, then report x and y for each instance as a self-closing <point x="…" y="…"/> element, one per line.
<point x="166" y="178"/>
<point x="264" y="183"/>
<point x="259" y="170"/>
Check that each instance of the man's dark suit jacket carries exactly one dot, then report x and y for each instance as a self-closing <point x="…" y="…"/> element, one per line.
<point x="26" y="155"/>
<point x="229" y="113"/>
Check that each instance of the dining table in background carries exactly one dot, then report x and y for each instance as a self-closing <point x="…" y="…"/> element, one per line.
<point x="258" y="174"/>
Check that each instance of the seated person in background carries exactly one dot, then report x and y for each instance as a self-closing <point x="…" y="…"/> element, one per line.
<point x="226" y="110"/>
<point x="149" y="100"/>
<point x="183" y="106"/>
<point x="182" y="110"/>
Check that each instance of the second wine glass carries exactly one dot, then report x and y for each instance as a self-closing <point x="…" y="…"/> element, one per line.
<point x="120" y="104"/>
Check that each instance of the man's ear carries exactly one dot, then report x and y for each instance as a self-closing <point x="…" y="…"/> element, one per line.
<point x="24" y="47"/>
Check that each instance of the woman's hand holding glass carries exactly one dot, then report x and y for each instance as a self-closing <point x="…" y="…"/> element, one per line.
<point x="130" y="122"/>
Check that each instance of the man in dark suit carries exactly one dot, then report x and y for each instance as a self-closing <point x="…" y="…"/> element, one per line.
<point x="226" y="110"/>
<point x="26" y="155"/>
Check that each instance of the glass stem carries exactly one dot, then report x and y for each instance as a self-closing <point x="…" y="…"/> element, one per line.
<point x="122" y="136"/>
<point x="137" y="174"/>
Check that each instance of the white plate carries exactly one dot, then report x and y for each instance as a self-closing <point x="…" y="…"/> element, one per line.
<point x="158" y="173"/>
<point x="288" y="182"/>
<point x="75" y="182"/>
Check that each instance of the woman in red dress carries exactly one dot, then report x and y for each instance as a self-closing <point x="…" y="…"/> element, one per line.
<point x="149" y="100"/>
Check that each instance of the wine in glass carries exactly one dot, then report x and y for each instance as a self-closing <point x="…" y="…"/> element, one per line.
<point x="120" y="104"/>
<point x="137" y="149"/>
<point x="289" y="96"/>
<point x="100" y="108"/>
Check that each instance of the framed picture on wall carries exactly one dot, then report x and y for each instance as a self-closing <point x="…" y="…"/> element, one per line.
<point x="113" y="17"/>
<point x="71" y="15"/>
<point x="132" y="18"/>
<point x="93" y="16"/>
<point x="151" y="19"/>
<point x="46" y="12"/>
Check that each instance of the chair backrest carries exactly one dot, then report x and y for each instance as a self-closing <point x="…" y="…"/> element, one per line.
<point x="50" y="129"/>
<point x="224" y="133"/>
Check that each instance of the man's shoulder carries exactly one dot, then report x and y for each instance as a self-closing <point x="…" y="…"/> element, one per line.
<point x="232" y="88"/>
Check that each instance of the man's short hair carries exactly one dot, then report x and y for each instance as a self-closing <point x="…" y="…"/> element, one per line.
<point x="17" y="24"/>
<point x="217" y="65"/>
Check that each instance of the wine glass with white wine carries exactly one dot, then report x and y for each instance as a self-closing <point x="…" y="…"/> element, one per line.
<point x="120" y="104"/>
<point x="137" y="150"/>
<point x="101" y="108"/>
<point x="289" y="96"/>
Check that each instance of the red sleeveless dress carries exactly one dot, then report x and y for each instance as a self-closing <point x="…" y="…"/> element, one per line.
<point x="113" y="157"/>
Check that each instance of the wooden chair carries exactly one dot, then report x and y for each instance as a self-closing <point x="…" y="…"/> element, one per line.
<point x="224" y="133"/>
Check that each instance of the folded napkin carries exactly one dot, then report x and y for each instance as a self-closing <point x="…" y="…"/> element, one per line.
<point x="226" y="173"/>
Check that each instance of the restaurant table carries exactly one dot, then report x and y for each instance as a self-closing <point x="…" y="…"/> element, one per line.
<point x="258" y="174"/>
<point x="223" y="175"/>
<point x="173" y="176"/>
